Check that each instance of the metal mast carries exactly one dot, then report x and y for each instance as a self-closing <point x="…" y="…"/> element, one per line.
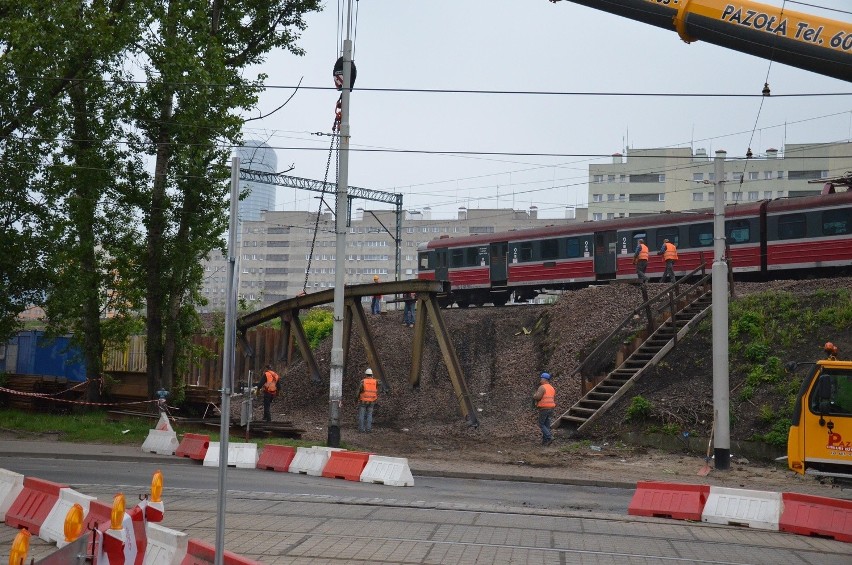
<point x="335" y="392"/>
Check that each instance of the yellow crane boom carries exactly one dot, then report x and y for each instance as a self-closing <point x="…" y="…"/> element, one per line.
<point x="806" y="41"/>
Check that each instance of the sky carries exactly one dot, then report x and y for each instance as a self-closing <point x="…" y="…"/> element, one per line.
<point x="425" y="144"/>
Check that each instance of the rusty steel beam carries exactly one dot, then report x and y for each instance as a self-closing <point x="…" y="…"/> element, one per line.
<point x="327" y="296"/>
<point x="419" y="341"/>
<point x="356" y="313"/>
<point x="451" y="360"/>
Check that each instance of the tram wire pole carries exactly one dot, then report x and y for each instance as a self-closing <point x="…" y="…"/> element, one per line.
<point x="719" y="273"/>
<point x="335" y="392"/>
<point x="227" y="363"/>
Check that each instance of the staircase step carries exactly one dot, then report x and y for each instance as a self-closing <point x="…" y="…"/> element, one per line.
<point x="609" y="389"/>
<point x="574" y="419"/>
<point x="590" y="403"/>
<point x="600" y="396"/>
<point x="576" y="410"/>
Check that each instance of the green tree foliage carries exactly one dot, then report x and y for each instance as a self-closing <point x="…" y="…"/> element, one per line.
<point x="118" y="119"/>
<point x="317" y="324"/>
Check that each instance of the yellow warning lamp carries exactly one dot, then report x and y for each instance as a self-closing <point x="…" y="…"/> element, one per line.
<point x="20" y="547"/>
<point x="157" y="486"/>
<point x="116" y="517"/>
<point x="73" y="523"/>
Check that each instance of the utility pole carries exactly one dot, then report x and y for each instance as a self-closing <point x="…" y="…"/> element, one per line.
<point x="335" y="391"/>
<point x="721" y="385"/>
<point x="227" y="363"/>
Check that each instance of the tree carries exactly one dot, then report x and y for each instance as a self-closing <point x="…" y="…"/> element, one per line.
<point x="196" y="56"/>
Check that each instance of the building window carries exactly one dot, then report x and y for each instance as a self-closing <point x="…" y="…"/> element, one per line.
<point x="597" y="216"/>
<point x="622" y="197"/>
<point x="697" y="196"/>
<point x="753" y="175"/>
<point x="597" y="178"/>
<point x="698" y="176"/>
<point x="780" y="175"/>
<point x="767" y="175"/>
<point x="767" y="194"/>
<point x="711" y="176"/>
<point x="662" y="178"/>
<point x="610" y="197"/>
<point x="622" y="178"/>
<point x="610" y="215"/>
<point x="597" y="197"/>
<point x="610" y="178"/>
<point x="737" y="175"/>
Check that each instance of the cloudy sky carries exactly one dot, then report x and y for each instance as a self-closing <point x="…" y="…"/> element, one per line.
<point x="431" y="146"/>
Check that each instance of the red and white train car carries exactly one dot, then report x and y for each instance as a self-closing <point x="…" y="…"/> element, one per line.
<point x="769" y="238"/>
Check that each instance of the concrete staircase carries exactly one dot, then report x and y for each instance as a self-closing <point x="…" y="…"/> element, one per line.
<point x="604" y="394"/>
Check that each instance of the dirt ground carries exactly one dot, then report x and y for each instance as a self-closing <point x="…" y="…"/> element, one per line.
<point x="502" y="351"/>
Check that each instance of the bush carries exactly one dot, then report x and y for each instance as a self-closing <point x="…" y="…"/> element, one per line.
<point x="639" y="409"/>
<point x="318" y="324"/>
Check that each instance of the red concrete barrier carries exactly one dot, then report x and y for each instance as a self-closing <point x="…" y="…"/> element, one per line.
<point x="99" y="513"/>
<point x="816" y="516"/>
<point x="33" y="504"/>
<point x="276" y="458"/>
<point x="345" y="465"/>
<point x="201" y="553"/>
<point x="193" y="446"/>
<point x="669" y="500"/>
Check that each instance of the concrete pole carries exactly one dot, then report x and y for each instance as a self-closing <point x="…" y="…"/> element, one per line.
<point x="721" y="386"/>
<point x="335" y="391"/>
<point x="227" y="362"/>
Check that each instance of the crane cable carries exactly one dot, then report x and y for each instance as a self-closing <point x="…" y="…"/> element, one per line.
<point x="335" y="139"/>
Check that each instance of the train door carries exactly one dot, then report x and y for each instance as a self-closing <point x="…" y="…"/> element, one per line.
<point x="442" y="262"/>
<point x="498" y="270"/>
<point x="605" y="254"/>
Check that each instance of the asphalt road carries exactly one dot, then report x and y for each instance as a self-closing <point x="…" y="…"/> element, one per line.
<point x="283" y="518"/>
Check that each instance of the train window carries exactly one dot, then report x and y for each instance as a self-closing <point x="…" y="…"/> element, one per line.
<point x="672" y="234"/>
<point x="837" y="222"/>
<point x="701" y="235"/>
<point x="457" y="258"/>
<point x="550" y="249"/>
<point x="791" y="226"/>
<point x="526" y="251"/>
<point x="739" y="231"/>
<point x="424" y="261"/>
<point x="572" y="245"/>
<point x="470" y="258"/>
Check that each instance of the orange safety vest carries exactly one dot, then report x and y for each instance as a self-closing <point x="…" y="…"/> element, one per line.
<point x="369" y="390"/>
<point x="271" y="384"/>
<point x="643" y="252"/>
<point x="549" y="398"/>
<point x="670" y="253"/>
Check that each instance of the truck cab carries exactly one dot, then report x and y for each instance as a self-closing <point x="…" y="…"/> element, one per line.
<point x="820" y="437"/>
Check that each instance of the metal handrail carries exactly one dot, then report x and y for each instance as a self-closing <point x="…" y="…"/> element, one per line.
<point x="671" y="300"/>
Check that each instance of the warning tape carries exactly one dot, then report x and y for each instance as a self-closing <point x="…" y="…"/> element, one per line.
<point x="83" y="402"/>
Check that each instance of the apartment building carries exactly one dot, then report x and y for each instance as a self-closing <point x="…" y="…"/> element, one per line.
<point x="275" y="250"/>
<point x="649" y="181"/>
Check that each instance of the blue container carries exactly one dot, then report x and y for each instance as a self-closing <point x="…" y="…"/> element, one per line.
<point x="39" y="355"/>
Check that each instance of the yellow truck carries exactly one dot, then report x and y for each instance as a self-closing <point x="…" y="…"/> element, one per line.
<point x="820" y="438"/>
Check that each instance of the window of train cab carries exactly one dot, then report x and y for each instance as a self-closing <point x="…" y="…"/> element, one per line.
<point x="701" y="235"/>
<point x="739" y="231"/>
<point x="837" y="222"/>
<point x="423" y="261"/>
<point x="457" y="258"/>
<point x="526" y="251"/>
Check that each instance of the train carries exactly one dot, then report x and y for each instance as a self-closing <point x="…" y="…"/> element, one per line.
<point x="764" y="239"/>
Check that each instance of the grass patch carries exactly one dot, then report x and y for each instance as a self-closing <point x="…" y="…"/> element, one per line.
<point x="84" y="427"/>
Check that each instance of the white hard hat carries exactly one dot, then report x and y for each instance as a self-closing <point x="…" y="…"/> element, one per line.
<point x="368" y="371"/>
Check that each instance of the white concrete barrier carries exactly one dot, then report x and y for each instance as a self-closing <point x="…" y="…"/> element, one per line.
<point x="242" y="455"/>
<point x="11" y="485"/>
<point x="165" y="546"/>
<point x="740" y="507"/>
<point x="53" y="528"/>
<point x="163" y="442"/>
<point x="392" y="471"/>
<point x="311" y="460"/>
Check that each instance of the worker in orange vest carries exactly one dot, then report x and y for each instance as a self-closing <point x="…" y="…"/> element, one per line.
<point x="268" y="384"/>
<point x="368" y="394"/>
<point x="640" y="259"/>
<point x="669" y="253"/>
<point x="376" y="303"/>
<point x="545" y="399"/>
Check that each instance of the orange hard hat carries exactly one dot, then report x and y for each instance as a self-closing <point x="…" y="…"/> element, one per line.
<point x="830" y="347"/>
